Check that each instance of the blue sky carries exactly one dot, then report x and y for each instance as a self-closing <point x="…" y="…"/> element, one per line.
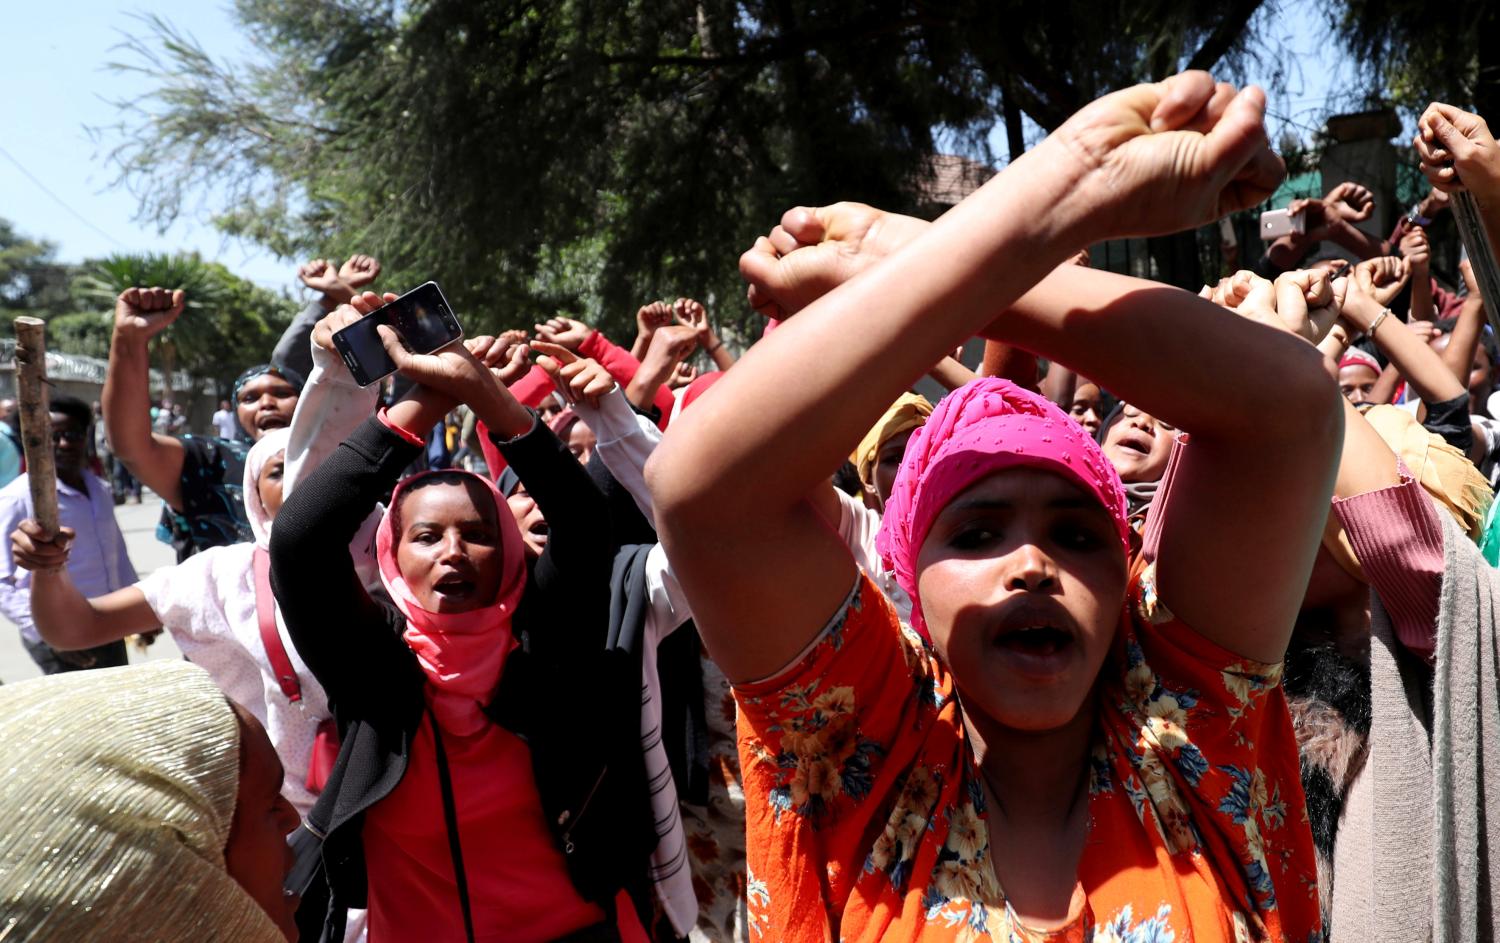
<point x="57" y="61"/>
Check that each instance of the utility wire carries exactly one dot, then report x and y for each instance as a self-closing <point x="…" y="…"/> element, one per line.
<point x="59" y="200"/>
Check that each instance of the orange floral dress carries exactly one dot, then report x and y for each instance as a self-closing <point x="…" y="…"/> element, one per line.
<point x="865" y="815"/>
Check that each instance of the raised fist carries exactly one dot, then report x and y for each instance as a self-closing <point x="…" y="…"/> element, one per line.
<point x="1382" y="278"/>
<point x="690" y="313"/>
<point x="1457" y="149"/>
<point x="1416" y="249"/>
<point x="143" y="313"/>
<point x="1351" y="201"/>
<point x="1166" y="156"/>
<point x="321" y="276"/>
<point x="565" y="332"/>
<point x="359" y="271"/>
<point x="651" y="316"/>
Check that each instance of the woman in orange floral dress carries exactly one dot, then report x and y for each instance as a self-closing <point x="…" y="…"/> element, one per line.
<point x="1088" y="749"/>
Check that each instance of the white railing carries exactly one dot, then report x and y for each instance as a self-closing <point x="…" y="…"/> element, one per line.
<point x="82" y="369"/>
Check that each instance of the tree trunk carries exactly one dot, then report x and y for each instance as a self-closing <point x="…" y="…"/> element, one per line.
<point x="1487" y="78"/>
<point x="1013" y="136"/>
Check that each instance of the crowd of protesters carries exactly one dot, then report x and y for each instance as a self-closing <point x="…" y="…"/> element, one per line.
<point x="1142" y="632"/>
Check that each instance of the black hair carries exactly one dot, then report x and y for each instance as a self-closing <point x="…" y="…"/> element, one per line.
<point x="72" y="407"/>
<point x="1486" y="337"/>
<point x="1331" y="692"/>
<point x="846" y="479"/>
<point x="1110" y="418"/>
<point x="444" y="477"/>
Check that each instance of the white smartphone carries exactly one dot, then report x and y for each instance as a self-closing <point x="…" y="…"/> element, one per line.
<point x="1277" y="223"/>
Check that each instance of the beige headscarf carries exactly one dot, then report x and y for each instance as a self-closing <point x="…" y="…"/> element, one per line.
<point x="117" y="790"/>
<point x="1445" y="473"/>
<point x="908" y="412"/>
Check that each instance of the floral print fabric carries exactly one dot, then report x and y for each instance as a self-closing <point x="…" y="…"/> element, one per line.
<point x="213" y="503"/>
<point x="716" y="832"/>
<point x="865" y="816"/>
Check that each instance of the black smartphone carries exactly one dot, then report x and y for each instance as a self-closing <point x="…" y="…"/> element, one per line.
<point x="422" y="319"/>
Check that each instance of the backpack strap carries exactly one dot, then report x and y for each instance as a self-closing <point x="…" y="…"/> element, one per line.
<point x="270" y="638"/>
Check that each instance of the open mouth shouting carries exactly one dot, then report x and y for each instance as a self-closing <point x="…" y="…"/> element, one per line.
<point x="455" y="587"/>
<point x="265" y="422"/>
<point x="1136" y="441"/>
<point x="1036" y="637"/>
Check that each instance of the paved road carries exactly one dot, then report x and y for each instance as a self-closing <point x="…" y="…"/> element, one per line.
<point x="138" y="523"/>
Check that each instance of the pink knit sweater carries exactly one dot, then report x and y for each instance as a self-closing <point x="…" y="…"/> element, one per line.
<point x="1399" y="541"/>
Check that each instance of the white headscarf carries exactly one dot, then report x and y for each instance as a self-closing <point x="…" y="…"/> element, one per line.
<point x="264" y="450"/>
<point x="119" y="791"/>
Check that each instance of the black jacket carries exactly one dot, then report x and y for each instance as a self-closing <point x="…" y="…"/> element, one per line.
<point x="576" y="704"/>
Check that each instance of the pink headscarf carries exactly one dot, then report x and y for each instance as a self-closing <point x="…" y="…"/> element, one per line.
<point x="985" y="426"/>
<point x="563" y="422"/>
<point x="462" y="653"/>
<point x="1354" y="357"/>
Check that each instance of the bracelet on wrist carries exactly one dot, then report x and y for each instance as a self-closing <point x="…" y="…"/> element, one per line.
<point x="412" y="436"/>
<point x="1379" y="319"/>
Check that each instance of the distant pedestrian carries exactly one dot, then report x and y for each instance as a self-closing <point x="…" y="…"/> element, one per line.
<point x="226" y="425"/>
<point x="86" y="510"/>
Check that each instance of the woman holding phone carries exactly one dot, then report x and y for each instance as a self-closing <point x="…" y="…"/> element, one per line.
<point x="439" y="816"/>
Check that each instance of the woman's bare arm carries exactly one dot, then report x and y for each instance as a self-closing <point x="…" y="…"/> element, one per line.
<point x="62" y="615"/>
<point x="732" y="476"/>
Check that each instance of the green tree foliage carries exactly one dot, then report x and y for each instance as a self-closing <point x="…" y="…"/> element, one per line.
<point x="585" y="156"/>
<point x="1414" y="53"/>
<point x="228" y="323"/>
<point x="32" y="282"/>
<point x="82" y="332"/>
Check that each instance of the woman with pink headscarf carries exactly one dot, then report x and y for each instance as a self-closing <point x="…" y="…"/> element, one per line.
<point x="1085" y="748"/>
<point x="469" y="801"/>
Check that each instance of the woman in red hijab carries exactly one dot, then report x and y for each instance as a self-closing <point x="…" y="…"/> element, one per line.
<point x="1087" y="749"/>
<point x="439" y="816"/>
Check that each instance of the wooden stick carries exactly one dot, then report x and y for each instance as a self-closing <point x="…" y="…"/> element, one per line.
<point x="1481" y="253"/>
<point x="36" y="420"/>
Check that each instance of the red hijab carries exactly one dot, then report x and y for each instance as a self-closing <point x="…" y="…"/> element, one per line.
<point x="462" y="653"/>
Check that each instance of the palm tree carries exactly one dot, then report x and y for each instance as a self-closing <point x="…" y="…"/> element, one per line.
<point x="197" y="339"/>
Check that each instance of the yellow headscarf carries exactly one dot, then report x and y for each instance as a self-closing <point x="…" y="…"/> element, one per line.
<point x="908" y="412"/>
<point x="1445" y="473"/>
<point x="117" y="795"/>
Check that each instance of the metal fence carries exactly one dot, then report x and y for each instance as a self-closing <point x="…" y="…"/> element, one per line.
<point x="83" y="377"/>
<point x="1191" y="264"/>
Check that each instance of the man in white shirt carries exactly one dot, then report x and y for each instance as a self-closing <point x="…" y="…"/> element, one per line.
<point x="226" y="426"/>
<point x="86" y="511"/>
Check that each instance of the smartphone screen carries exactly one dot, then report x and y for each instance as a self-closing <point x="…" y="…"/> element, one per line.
<point x="421" y="317"/>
